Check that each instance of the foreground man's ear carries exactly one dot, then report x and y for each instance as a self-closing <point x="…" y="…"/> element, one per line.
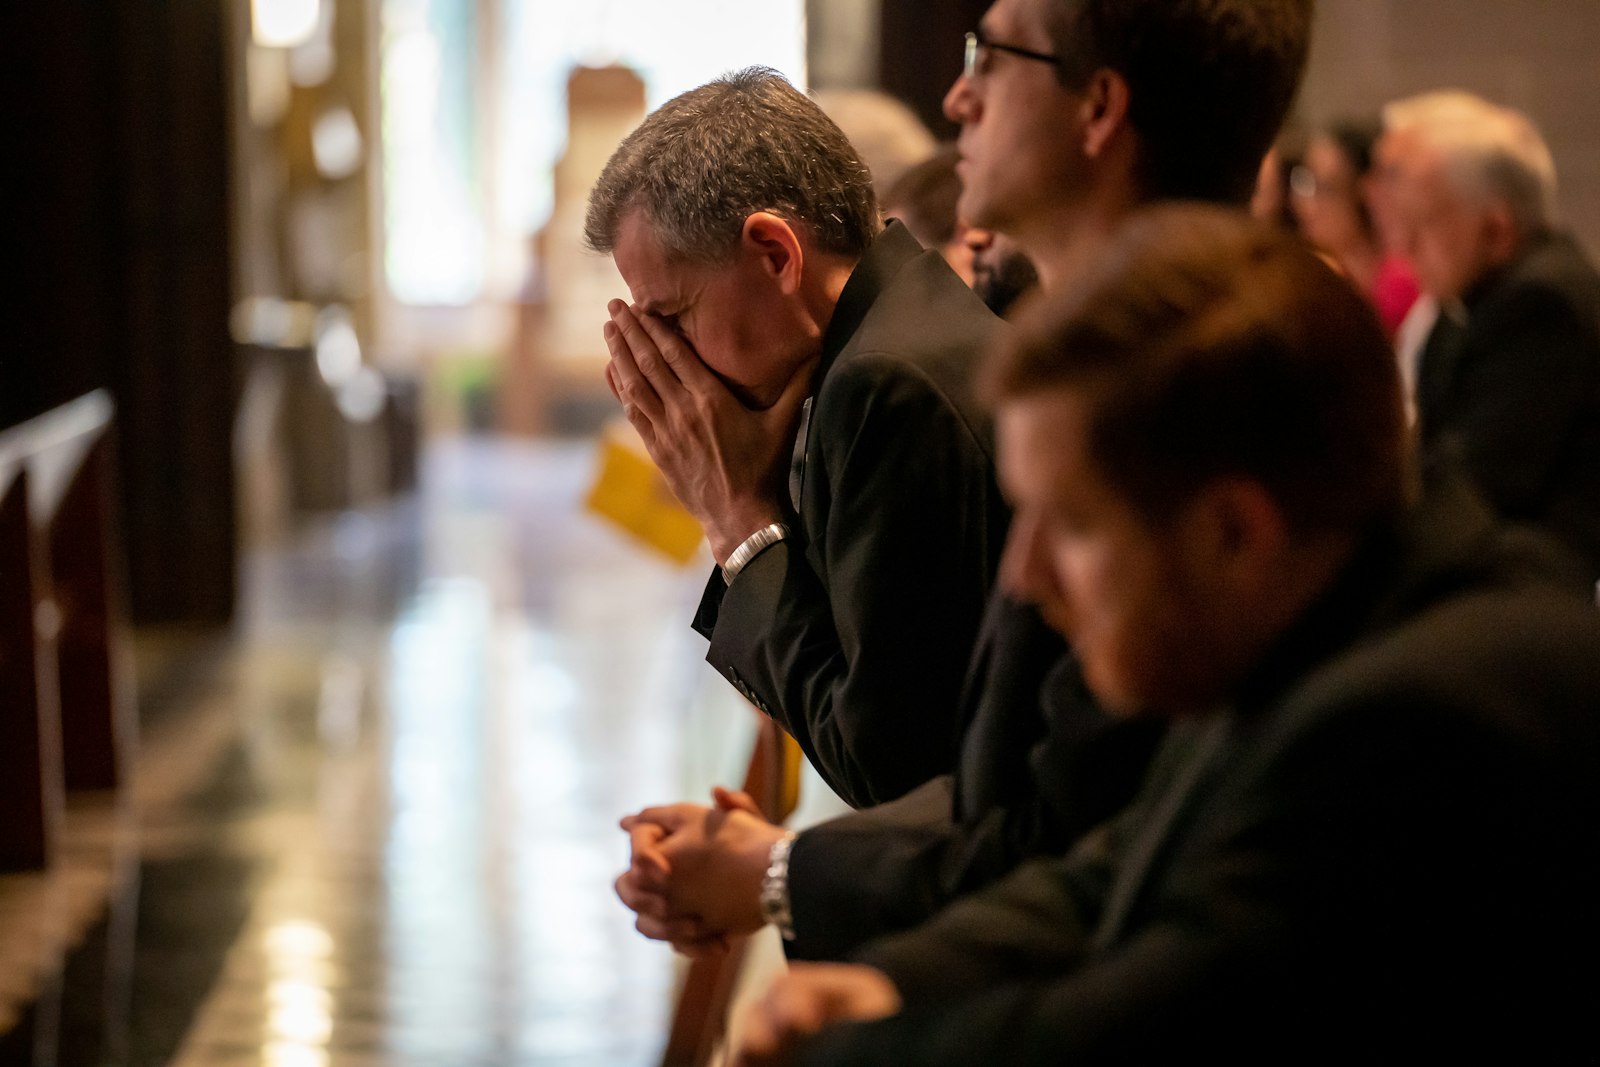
<point x="1235" y="535"/>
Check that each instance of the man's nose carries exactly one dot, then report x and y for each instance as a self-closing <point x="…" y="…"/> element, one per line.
<point x="1020" y="560"/>
<point x="960" y="103"/>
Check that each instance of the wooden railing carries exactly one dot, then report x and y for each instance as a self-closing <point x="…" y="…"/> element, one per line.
<point x="701" y="1017"/>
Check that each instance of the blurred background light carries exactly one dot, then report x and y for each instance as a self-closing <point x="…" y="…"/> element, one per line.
<point x="283" y="23"/>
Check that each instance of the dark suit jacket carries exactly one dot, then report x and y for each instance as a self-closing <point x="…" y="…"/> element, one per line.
<point x="1385" y="847"/>
<point x="1040" y="765"/>
<point x="1511" y="397"/>
<point x="854" y="635"/>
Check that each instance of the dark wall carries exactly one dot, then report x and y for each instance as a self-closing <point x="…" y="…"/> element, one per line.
<point x="920" y="53"/>
<point x="57" y="65"/>
<point x="118" y="195"/>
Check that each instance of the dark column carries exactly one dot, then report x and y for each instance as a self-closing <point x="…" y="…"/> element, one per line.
<point x="921" y="53"/>
<point x="118" y="138"/>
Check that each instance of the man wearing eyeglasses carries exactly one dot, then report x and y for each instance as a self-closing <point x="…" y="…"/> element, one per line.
<point x="1073" y="113"/>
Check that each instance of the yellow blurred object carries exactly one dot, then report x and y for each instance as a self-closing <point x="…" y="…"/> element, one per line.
<point x="630" y="492"/>
<point x="789" y="781"/>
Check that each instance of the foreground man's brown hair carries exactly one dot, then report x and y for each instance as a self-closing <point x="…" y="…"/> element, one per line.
<point x="1213" y="347"/>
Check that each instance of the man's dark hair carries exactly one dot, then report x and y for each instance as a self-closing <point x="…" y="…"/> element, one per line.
<point x="1210" y="346"/>
<point x="708" y="159"/>
<point x="924" y="198"/>
<point x="1210" y="82"/>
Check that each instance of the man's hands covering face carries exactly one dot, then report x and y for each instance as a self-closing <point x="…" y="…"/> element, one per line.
<point x="728" y="465"/>
<point x="695" y="875"/>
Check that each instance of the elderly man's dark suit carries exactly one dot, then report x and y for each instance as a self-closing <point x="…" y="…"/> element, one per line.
<point x="854" y="635"/>
<point x="1384" y="847"/>
<point x="1508" y="392"/>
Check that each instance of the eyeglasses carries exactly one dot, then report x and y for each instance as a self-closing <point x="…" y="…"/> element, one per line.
<point x="978" y="44"/>
<point x="1304" y="182"/>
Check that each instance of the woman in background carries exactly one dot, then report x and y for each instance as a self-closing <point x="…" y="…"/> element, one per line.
<point x="1329" y="199"/>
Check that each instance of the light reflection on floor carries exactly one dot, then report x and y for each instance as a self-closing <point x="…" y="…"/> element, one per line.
<point x="438" y="712"/>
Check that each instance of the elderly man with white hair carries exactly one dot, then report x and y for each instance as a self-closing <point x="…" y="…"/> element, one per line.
<point x="1508" y="384"/>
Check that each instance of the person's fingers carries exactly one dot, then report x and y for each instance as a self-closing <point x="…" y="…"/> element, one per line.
<point x="670" y="817"/>
<point x="652" y="907"/>
<point x="680" y="357"/>
<point x="674" y="928"/>
<point x="644" y="839"/>
<point x="796" y="1007"/>
<point x="735" y="800"/>
<point x="788" y="1009"/>
<point x="699" y="948"/>
<point x="633" y="387"/>
<point x="611" y="382"/>
<point x="643" y="351"/>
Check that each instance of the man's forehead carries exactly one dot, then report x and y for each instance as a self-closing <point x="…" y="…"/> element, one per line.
<point x="1007" y="18"/>
<point x="1040" y="435"/>
<point x="653" y="277"/>
<point x="1422" y="176"/>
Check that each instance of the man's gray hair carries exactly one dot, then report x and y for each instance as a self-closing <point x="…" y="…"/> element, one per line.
<point x="1489" y="152"/>
<point x="703" y="162"/>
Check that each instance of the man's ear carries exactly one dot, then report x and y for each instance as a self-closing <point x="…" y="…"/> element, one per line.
<point x="1105" y="110"/>
<point x="1500" y="233"/>
<point x="773" y="246"/>
<point x="1235" y="534"/>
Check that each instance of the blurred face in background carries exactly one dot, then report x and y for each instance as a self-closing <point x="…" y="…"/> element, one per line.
<point x="1379" y="189"/>
<point x="1327" y="198"/>
<point x="1451" y="238"/>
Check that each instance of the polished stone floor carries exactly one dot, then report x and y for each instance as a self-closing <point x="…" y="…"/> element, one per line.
<point x="375" y="825"/>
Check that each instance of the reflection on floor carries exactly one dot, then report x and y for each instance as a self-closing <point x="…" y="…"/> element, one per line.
<point x="377" y="824"/>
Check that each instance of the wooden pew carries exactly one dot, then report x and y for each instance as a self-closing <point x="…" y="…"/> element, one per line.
<point x="30" y="749"/>
<point x="66" y="707"/>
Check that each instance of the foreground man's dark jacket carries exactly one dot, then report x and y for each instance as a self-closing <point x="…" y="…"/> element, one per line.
<point x="1384" y="848"/>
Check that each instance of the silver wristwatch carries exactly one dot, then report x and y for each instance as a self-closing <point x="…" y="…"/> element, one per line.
<point x="775" y="887"/>
<point x="750" y="548"/>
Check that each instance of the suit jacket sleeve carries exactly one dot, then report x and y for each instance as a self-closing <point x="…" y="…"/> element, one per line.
<point x="857" y="641"/>
<point x="887" y="869"/>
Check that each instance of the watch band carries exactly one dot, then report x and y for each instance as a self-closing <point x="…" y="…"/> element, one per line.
<point x="750" y="548"/>
<point x="775" y="887"/>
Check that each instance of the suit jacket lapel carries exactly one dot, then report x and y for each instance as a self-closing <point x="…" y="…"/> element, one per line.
<point x="1436" y="366"/>
<point x="889" y="252"/>
<point x="1174" y="787"/>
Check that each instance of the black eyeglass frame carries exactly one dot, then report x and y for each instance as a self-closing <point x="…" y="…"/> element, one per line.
<point x="977" y="41"/>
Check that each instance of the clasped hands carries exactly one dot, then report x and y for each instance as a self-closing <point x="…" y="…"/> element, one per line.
<point x="694" y="880"/>
<point x="725" y="462"/>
